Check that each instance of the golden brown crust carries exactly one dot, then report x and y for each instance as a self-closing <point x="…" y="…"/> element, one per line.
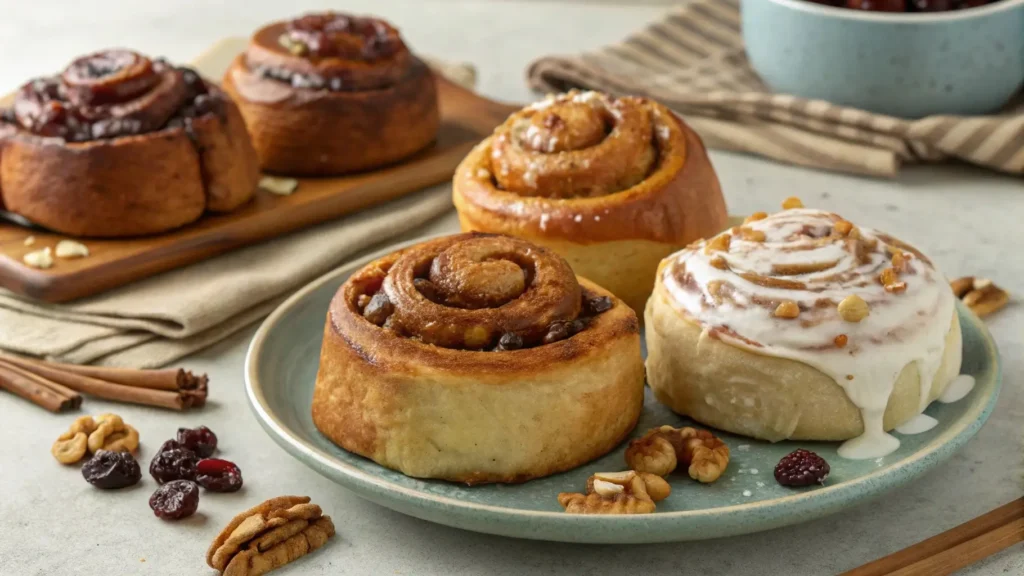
<point x="320" y="131"/>
<point x="477" y="416"/>
<point x="679" y="201"/>
<point x="228" y="160"/>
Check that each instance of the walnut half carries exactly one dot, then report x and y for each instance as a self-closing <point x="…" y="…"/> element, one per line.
<point x="626" y="492"/>
<point x="662" y="449"/>
<point x="981" y="295"/>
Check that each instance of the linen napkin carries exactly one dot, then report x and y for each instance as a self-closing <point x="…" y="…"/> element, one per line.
<point x="155" y="321"/>
<point x="693" y="61"/>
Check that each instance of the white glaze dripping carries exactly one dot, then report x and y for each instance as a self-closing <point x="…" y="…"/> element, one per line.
<point x="903" y="328"/>
<point x="917" y="424"/>
<point x="960" y="386"/>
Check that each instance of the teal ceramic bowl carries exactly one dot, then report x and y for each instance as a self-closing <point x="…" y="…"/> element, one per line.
<point x="281" y="369"/>
<point x="964" y="62"/>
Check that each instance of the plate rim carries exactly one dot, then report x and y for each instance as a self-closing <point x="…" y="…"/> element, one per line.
<point x="359" y="481"/>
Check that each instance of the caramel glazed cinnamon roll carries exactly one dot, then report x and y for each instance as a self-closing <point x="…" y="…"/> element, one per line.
<point x="121" y="145"/>
<point x="329" y="94"/>
<point x="612" y="184"/>
<point x="801" y="325"/>
<point x="477" y="358"/>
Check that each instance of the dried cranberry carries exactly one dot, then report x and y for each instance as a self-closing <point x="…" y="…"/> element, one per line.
<point x="175" y="500"/>
<point x="174" y="464"/>
<point x="801" y="468"/>
<point x="599" y="304"/>
<point x="110" y="470"/>
<point x="379" y="309"/>
<point x="218" y="475"/>
<point x="200" y="440"/>
<point x="510" y="341"/>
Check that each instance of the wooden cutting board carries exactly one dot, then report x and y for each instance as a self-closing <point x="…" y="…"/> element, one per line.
<point x="466" y="118"/>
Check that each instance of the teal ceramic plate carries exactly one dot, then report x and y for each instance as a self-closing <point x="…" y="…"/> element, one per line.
<point x="281" y="368"/>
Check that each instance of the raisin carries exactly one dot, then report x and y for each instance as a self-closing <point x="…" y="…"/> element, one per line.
<point x="579" y="325"/>
<point x="427" y="288"/>
<point x="598" y="305"/>
<point x="510" y="341"/>
<point x="111" y="470"/>
<point x="175" y="500"/>
<point x="218" y="475"/>
<point x="379" y="308"/>
<point x="801" y="468"/>
<point x="558" y="331"/>
<point x="174" y="464"/>
<point x="200" y="440"/>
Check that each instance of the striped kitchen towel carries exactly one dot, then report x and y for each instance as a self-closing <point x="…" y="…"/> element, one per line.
<point x="693" y="60"/>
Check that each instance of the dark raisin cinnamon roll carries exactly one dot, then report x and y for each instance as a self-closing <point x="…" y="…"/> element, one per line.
<point x="477" y="358"/>
<point x="330" y="93"/>
<point x="121" y="145"/>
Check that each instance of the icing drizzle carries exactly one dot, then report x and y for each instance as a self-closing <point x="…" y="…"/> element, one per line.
<point x="733" y="287"/>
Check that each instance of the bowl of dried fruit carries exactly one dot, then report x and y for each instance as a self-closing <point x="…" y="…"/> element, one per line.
<point x="905" y="58"/>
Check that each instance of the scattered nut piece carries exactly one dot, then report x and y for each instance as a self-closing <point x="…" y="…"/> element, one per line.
<point x="843" y="227"/>
<point x="70" y="447"/>
<point x="888" y="276"/>
<point x="125" y="441"/>
<point x="720" y="263"/>
<point x="755" y="217"/>
<point x="29" y="241"/>
<point x="71" y="249"/>
<point x="853" y="308"/>
<point x="752" y="235"/>
<point x="791" y="203"/>
<point x="896" y="287"/>
<point x="719" y="243"/>
<point x="705" y="456"/>
<point x="899" y="262"/>
<point x="611" y="493"/>
<point x="279" y="186"/>
<point x="106" y="428"/>
<point x="84" y="424"/>
<point x="657" y="488"/>
<point x="841" y="341"/>
<point x="41" y="259"/>
<point x="268" y="536"/>
<point x="981" y="295"/>
<point x="788" y="310"/>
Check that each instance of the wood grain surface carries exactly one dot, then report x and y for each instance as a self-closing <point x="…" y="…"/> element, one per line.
<point x="466" y="118"/>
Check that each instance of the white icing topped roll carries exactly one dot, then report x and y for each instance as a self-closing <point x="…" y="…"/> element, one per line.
<point x="807" y="285"/>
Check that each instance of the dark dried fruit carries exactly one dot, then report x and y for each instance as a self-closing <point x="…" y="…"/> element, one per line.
<point x="200" y="440"/>
<point x="111" y="470"/>
<point x="379" y="309"/>
<point x="218" y="475"/>
<point x="558" y="331"/>
<point x="175" y="500"/>
<point x="579" y="325"/>
<point x="427" y="288"/>
<point x="510" y="341"/>
<point x="174" y="464"/>
<point x="801" y="468"/>
<point x="599" y="304"/>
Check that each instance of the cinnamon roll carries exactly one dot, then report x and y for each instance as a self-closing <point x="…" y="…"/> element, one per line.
<point x="612" y="184"/>
<point x="330" y="93"/>
<point x="121" y="145"/>
<point x="801" y="325"/>
<point x="477" y="358"/>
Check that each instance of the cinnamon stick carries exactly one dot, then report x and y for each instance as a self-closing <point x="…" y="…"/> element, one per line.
<point x="39" y="391"/>
<point x="172" y="379"/>
<point x="100" y="388"/>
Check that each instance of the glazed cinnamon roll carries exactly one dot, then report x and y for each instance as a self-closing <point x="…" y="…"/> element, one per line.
<point x="477" y="358"/>
<point x="121" y="145"/>
<point x="612" y="184"/>
<point x="330" y="93"/>
<point x="804" y="326"/>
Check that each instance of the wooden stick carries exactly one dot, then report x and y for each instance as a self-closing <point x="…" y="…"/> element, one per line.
<point x="100" y="388"/>
<point x="172" y="379"/>
<point x="955" y="548"/>
<point x="38" y="390"/>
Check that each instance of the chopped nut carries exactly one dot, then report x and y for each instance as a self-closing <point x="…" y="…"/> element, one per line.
<point x="752" y="235"/>
<point x="29" y="241"/>
<point x="896" y="287"/>
<point x="843" y="227"/>
<point x="41" y="259"/>
<point x="853" y="308"/>
<point x="841" y="340"/>
<point x="125" y="441"/>
<point x="705" y="456"/>
<point x="106" y="428"/>
<point x="83" y="424"/>
<point x="607" y="488"/>
<point x="269" y="536"/>
<point x="982" y="283"/>
<point x="899" y="262"/>
<point x="720" y="263"/>
<point x="657" y="488"/>
<point x="611" y="493"/>
<point x="888" y="276"/>
<point x="962" y="286"/>
<point x="70" y="447"/>
<point x="71" y="249"/>
<point x="279" y="186"/>
<point x="791" y="203"/>
<point x="755" y="217"/>
<point x="719" y="243"/>
<point x="983" y="297"/>
<point x="787" y="309"/>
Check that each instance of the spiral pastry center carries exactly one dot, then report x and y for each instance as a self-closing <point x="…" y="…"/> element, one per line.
<point x="341" y="36"/>
<point x="576" y="145"/>
<point x="478" y="274"/>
